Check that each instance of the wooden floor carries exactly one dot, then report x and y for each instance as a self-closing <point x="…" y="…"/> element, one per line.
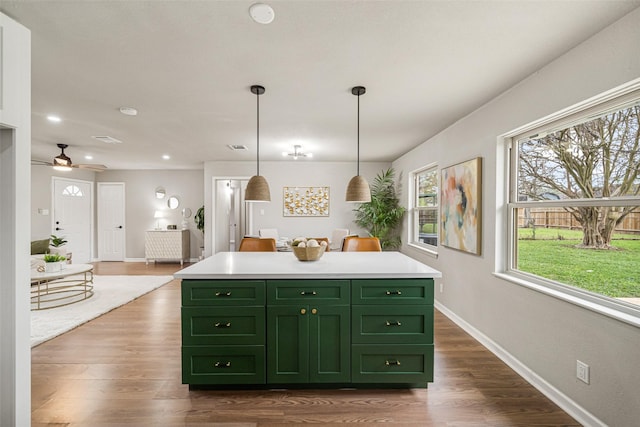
<point x="123" y="369"/>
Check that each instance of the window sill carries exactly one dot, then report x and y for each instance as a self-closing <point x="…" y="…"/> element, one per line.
<point x="423" y="250"/>
<point x="620" y="311"/>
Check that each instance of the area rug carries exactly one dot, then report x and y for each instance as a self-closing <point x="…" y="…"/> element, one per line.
<point x="109" y="292"/>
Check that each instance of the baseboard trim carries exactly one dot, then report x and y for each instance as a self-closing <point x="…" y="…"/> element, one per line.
<point x="144" y="260"/>
<point x="568" y="405"/>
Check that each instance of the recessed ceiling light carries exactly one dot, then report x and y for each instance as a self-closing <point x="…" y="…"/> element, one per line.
<point x="261" y="13"/>
<point x="88" y="157"/>
<point x="166" y="156"/>
<point x="129" y="111"/>
<point x="54" y="119"/>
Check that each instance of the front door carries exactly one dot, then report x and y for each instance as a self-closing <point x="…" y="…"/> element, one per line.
<point x="111" y="229"/>
<point x="72" y="213"/>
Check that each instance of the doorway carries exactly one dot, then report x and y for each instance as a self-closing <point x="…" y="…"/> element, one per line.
<point x="72" y="216"/>
<point x="231" y="217"/>
<point x="111" y="225"/>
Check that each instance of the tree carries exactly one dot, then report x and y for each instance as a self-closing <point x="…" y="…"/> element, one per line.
<point x="381" y="216"/>
<point x="596" y="159"/>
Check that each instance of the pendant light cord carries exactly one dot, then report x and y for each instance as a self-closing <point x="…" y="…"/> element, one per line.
<point x="258" y="133"/>
<point x="358" y="162"/>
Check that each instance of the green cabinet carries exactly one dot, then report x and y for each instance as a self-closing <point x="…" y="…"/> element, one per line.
<point x="392" y="332"/>
<point x="308" y="331"/>
<point x="278" y="332"/>
<point x="223" y="332"/>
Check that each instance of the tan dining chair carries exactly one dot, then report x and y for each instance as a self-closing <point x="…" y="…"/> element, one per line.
<point x="361" y="244"/>
<point x="323" y="239"/>
<point x="254" y="244"/>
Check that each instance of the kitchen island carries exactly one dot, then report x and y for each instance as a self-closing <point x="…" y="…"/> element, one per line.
<point x="265" y="319"/>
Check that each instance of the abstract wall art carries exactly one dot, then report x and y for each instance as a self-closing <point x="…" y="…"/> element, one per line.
<point x="306" y="201"/>
<point x="461" y="192"/>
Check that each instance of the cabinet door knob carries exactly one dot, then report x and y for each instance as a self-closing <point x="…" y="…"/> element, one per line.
<point x="394" y="323"/>
<point x="223" y="294"/>
<point x="222" y="325"/>
<point x="222" y="364"/>
<point x="314" y="311"/>
<point x="392" y="362"/>
<point x="303" y="311"/>
<point x="394" y="292"/>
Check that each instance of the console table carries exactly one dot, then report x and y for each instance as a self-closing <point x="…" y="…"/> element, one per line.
<point x="74" y="283"/>
<point x="167" y="245"/>
<point x="265" y="319"/>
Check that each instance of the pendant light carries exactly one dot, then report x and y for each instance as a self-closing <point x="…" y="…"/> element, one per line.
<point x="358" y="189"/>
<point x="257" y="188"/>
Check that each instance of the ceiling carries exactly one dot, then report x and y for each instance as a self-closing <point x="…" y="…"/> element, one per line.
<point x="187" y="67"/>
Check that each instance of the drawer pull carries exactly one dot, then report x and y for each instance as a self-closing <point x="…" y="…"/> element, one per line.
<point x="222" y="325"/>
<point x="394" y="292"/>
<point x="223" y="294"/>
<point x="222" y="364"/>
<point x="392" y="362"/>
<point x="396" y="323"/>
<point x="308" y="293"/>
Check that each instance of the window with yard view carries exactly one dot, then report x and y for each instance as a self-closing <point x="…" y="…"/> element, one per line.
<point x="574" y="203"/>
<point x="424" y="230"/>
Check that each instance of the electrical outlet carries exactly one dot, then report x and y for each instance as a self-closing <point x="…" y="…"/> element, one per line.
<point x="582" y="371"/>
<point x="441" y="287"/>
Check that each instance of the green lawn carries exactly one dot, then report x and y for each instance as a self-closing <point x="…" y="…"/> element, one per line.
<point x="553" y="255"/>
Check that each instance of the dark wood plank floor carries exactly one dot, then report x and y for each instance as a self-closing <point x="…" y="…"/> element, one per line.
<point x="123" y="369"/>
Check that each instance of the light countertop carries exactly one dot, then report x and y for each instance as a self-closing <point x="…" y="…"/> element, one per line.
<point x="284" y="265"/>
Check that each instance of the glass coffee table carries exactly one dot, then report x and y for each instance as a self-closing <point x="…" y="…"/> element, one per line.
<point x="74" y="283"/>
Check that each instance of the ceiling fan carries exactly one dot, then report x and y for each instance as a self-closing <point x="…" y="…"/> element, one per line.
<point x="63" y="162"/>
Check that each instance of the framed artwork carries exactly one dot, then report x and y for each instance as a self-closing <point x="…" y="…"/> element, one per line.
<point x="306" y="201"/>
<point x="461" y="206"/>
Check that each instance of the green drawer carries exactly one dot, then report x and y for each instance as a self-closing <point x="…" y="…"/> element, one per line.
<point x="381" y="324"/>
<point x="223" y="365"/>
<point x="222" y="292"/>
<point x="223" y="325"/>
<point x="392" y="291"/>
<point x="307" y="292"/>
<point x="402" y="364"/>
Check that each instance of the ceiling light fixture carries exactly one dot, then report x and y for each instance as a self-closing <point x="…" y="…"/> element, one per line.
<point x="358" y="189"/>
<point x="257" y="188"/>
<point x="297" y="152"/>
<point x="62" y="162"/>
<point x="129" y="111"/>
<point x="261" y="13"/>
<point x="54" y="119"/>
<point x="166" y="156"/>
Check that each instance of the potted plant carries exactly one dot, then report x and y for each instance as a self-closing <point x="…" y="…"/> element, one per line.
<point x="53" y="262"/>
<point x="199" y="220"/>
<point x="57" y="243"/>
<point x="382" y="216"/>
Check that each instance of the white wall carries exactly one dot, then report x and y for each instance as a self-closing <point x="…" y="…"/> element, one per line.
<point x="141" y="203"/>
<point x="544" y="335"/>
<point x="15" y="150"/>
<point x="335" y="175"/>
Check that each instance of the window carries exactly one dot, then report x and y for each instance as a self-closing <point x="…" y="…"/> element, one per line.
<point x="72" y="190"/>
<point x="425" y="224"/>
<point x="574" y="204"/>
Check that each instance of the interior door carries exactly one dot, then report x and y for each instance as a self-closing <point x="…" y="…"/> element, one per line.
<point x="111" y="217"/>
<point x="72" y="214"/>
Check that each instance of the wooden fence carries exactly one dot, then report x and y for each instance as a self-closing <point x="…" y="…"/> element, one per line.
<point x="559" y="218"/>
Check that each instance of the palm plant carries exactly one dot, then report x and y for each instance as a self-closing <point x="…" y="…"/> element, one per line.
<point x="382" y="216"/>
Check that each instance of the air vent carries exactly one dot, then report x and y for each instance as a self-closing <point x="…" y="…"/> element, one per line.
<point x="108" y="140"/>
<point x="237" y="147"/>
